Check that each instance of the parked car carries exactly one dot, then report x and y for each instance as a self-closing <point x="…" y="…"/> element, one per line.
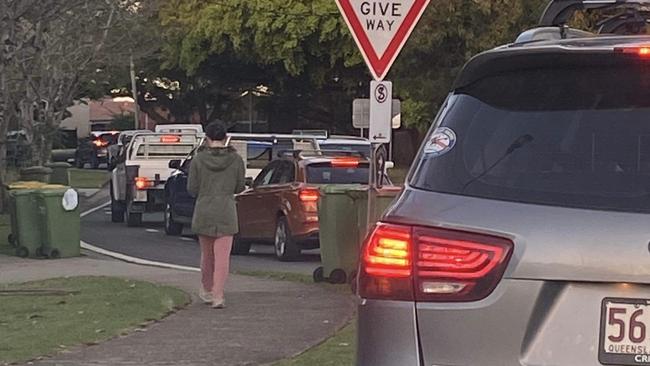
<point x="64" y="146"/>
<point x="257" y="149"/>
<point x="347" y="143"/>
<point x="180" y="128"/>
<point x="522" y="235"/>
<point x="93" y="150"/>
<point x="281" y="206"/>
<point x="138" y="180"/>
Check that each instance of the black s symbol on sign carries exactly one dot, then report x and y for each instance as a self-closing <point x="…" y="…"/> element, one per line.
<point x="381" y="94"/>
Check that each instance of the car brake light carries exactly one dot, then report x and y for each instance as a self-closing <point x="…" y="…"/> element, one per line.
<point x="143" y="183"/>
<point x="100" y="143"/>
<point x="309" y="195"/>
<point x="640" y="51"/>
<point x="345" y="162"/>
<point x="431" y="265"/>
<point x="170" y="139"/>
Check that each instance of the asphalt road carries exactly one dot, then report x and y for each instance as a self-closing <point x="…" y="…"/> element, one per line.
<point x="150" y="242"/>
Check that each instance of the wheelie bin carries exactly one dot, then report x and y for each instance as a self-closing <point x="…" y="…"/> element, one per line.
<point x="36" y="173"/>
<point x="384" y="198"/>
<point x="25" y="226"/>
<point x="58" y="207"/>
<point x="339" y="232"/>
<point x="59" y="173"/>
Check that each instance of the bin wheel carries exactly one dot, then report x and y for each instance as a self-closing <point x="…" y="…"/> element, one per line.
<point x="133" y="219"/>
<point x="338" y="277"/>
<point x="54" y="254"/>
<point x="172" y="228"/>
<point x="240" y="246"/>
<point x="11" y="238"/>
<point x="22" y="252"/>
<point x="286" y="249"/>
<point x="319" y="275"/>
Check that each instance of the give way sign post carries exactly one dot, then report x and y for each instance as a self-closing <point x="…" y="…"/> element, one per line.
<point x="381" y="28"/>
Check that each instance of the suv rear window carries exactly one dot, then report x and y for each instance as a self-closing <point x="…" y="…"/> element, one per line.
<point x="325" y="173"/>
<point x="575" y="137"/>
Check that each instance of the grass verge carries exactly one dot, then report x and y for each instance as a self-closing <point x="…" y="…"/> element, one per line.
<point x="91" y="310"/>
<point x="336" y="351"/>
<point x="88" y="178"/>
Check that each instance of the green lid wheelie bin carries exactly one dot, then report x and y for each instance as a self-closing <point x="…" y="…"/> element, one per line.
<point x="384" y="198"/>
<point x="339" y="232"/>
<point x="61" y="223"/>
<point x="25" y="225"/>
<point x="59" y="172"/>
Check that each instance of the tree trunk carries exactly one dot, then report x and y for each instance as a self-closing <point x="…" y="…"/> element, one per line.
<point x="4" y="125"/>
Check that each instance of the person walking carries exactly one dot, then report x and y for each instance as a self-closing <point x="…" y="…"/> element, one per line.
<point x="217" y="173"/>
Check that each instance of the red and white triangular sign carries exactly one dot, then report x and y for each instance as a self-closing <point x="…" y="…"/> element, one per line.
<point x="381" y="28"/>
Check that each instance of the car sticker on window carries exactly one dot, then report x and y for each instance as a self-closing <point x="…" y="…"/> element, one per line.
<point x="440" y="142"/>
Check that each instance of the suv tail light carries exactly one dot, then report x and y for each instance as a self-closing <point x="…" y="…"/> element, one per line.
<point x="431" y="265"/>
<point x="309" y="195"/>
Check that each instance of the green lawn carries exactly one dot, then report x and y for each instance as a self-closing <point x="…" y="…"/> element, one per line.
<point x="82" y="310"/>
<point x="336" y="351"/>
<point x="87" y="178"/>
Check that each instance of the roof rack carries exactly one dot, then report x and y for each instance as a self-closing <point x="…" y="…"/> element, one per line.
<point x="317" y="153"/>
<point x="559" y="12"/>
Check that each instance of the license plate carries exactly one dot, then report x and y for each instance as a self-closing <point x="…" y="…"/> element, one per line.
<point x="625" y="332"/>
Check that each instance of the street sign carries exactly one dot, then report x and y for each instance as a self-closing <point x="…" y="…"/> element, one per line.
<point x="381" y="97"/>
<point x="361" y="113"/>
<point x="381" y="28"/>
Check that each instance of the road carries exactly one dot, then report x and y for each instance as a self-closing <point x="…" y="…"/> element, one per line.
<point x="150" y="242"/>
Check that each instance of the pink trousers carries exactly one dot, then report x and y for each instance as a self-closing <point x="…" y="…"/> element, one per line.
<point x="215" y="263"/>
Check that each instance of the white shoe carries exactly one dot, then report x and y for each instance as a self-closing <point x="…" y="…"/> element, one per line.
<point x="219" y="304"/>
<point x="205" y="296"/>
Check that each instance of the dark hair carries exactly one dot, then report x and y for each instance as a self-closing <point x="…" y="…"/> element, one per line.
<point x="216" y="131"/>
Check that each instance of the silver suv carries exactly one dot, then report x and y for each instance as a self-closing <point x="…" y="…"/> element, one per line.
<point x="521" y="237"/>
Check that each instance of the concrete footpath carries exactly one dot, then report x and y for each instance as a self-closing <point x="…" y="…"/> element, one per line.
<point x="265" y="320"/>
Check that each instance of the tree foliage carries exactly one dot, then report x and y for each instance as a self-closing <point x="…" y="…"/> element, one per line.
<point x="299" y="47"/>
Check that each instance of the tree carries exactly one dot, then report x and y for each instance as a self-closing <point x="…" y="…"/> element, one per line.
<point x="303" y="45"/>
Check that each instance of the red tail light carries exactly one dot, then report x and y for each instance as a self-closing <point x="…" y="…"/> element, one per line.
<point x="100" y="143"/>
<point x="143" y="183"/>
<point x="309" y="195"/>
<point x="170" y="139"/>
<point x="643" y="51"/>
<point x="431" y="265"/>
<point x="345" y="162"/>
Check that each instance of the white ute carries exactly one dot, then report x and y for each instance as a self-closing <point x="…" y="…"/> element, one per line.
<point x="138" y="179"/>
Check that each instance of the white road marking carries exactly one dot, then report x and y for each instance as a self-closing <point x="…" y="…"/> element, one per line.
<point x="152" y="231"/>
<point x="127" y="258"/>
<point x="183" y="238"/>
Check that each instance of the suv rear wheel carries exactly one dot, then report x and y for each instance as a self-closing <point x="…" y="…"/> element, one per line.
<point x="285" y="246"/>
<point x="171" y="227"/>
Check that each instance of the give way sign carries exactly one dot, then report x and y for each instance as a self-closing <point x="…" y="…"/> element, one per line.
<point x="381" y="28"/>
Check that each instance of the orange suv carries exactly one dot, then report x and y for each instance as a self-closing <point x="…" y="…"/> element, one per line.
<point x="281" y="207"/>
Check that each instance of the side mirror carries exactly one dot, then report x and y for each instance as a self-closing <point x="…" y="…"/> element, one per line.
<point x="175" y="164"/>
<point x="249" y="182"/>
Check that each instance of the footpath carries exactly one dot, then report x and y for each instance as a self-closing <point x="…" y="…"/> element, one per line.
<point x="265" y="321"/>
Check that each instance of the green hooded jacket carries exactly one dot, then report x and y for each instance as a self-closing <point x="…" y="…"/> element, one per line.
<point x="216" y="175"/>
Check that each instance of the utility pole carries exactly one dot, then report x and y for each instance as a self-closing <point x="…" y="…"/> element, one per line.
<point x="134" y="90"/>
<point x="250" y="111"/>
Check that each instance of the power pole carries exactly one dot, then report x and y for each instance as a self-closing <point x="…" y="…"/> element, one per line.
<point x="134" y="90"/>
